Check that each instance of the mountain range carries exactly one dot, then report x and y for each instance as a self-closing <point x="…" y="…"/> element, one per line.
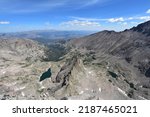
<point x="45" y="36"/>
<point x="103" y="65"/>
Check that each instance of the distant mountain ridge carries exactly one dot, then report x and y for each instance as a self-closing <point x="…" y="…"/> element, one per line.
<point x="45" y="35"/>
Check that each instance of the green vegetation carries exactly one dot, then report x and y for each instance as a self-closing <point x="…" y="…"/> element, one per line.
<point x="89" y="57"/>
<point x="54" y="52"/>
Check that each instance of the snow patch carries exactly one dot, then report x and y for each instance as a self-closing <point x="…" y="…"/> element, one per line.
<point x="22" y="93"/>
<point x="123" y="92"/>
<point x="42" y="87"/>
<point x="20" y="88"/>
<point x="100" y="90"/>
<point x="81" y="92"/>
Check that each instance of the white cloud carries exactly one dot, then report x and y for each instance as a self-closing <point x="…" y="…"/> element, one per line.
<point x="145" y="18"/>
<point x="121" y="19"/>
<point x="148" y="11"/>
<point x="81" y="23"/>
<point x="114" y="20"/>
<point x="94" y="23"/>
<point x="130" y="18"/>
<point x="4" y="22"/>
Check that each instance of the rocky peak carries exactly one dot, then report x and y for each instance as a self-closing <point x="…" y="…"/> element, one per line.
<point x="143" y="28"/>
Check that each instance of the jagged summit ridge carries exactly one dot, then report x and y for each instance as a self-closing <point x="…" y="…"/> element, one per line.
<point x="143" y="28"/>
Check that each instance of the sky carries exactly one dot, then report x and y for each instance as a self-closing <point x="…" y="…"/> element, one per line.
<point x="91" y="15"/>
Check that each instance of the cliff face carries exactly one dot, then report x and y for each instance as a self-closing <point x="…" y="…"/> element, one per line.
<point x="65" y="72"/>
<point x="80" y="81"/>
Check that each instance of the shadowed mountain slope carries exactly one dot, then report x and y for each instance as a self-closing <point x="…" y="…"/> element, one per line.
<point x="131" y="45"/>
<point x="124" y="54"/>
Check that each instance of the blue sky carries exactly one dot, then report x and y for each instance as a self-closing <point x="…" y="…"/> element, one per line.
<point x="95" y="15"/>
